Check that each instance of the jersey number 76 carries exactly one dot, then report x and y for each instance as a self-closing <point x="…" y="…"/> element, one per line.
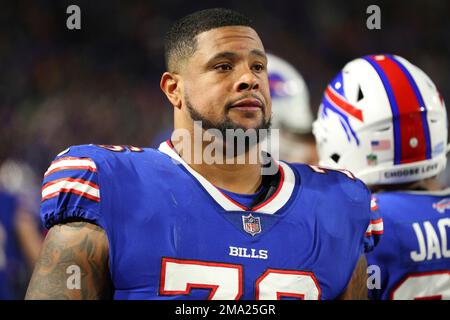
<point x="225" y="280"/>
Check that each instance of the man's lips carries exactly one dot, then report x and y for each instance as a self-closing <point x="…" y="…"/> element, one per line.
<point x="247" y="105"/>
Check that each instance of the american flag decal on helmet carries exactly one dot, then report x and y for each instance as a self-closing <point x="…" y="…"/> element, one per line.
<point x="251" y="224"/>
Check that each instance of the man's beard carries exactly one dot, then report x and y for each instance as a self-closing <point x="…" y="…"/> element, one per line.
<point x="261" y="129"/>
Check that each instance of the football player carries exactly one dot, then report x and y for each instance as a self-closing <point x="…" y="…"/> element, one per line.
<point x="383" y="119"/>
<point x="7" y="247"/>
<point x="20" y="235"/>
<point x="156" y="224"/>
<point x="291" y="112"/>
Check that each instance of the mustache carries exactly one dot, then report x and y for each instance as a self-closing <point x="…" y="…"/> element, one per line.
<point x="229" y="105"/>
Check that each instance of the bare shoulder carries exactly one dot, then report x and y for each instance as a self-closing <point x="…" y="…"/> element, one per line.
<point x="73" y="264"/>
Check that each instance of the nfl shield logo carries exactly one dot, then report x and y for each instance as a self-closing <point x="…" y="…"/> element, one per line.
<point x="251" y="224"/>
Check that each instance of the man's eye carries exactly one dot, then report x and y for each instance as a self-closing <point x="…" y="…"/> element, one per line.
<point x="223" y="67"/>
<point x="258" y="67"/>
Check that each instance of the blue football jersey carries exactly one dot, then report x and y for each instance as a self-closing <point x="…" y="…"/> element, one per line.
<point x="9" y="252"/>
<point x="413" y="256"/>
<point x="174" y="235"/>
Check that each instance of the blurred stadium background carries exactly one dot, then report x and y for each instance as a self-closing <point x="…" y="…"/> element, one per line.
<point x="100" y="84"/>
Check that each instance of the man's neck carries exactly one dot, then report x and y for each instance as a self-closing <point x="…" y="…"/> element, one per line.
<point x="226" y="173"/>
<point x="237" y="178"/>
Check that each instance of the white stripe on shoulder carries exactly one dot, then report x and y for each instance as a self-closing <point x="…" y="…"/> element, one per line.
<point x="78" y="186"/>
<point x="71" y="163"/>
<point x="375" y="226"/>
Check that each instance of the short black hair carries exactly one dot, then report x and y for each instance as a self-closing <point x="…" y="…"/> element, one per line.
<point x="180" y="42"/>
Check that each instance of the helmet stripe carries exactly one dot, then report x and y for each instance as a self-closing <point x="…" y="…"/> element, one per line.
<point x="403" y="100"/>
<point x="394" y="108"/>
<point x="422" y="105"/>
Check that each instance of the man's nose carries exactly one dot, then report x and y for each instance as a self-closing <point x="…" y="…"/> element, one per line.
<point x="247" y="81"/>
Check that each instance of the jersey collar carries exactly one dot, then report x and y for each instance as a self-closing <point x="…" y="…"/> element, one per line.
<point x="270" y="206"/>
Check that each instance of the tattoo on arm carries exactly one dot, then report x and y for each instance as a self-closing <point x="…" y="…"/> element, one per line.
<point x="357" y="287"/>
<point x="82" y="244"/>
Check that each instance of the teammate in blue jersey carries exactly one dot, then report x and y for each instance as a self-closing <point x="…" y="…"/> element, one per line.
<point x="384" y="119"/>
<point x="19" y="241"/>
<point x="20" y="234"/>
<point x="188" y="221"/>
<point x="7" y="247"/>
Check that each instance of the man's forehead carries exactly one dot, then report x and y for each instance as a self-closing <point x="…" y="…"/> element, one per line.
<point x="228" y="38"/>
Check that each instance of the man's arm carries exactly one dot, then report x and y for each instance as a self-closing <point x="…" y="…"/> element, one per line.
<point x="357" y="287"/>
<point x="78" y="244"/>
<point x="28" y="235"/>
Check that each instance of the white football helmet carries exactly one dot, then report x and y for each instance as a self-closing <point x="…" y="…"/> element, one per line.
<point x="383" y="119"/>
<point x="291" y="113"/>
<point x="290" y="97"/>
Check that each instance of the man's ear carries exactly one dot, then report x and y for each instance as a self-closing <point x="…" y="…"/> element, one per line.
<point x="171" y="85"/>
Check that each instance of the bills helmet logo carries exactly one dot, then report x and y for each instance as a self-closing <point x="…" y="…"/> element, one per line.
<point x="334" y="100"/>
<point x="442" y="205"/>
<point x="251" y="224"/>
<point x="278" y="86"/>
